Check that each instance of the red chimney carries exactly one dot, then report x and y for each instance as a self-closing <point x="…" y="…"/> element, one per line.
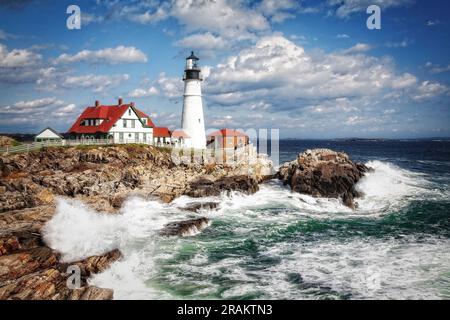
<point x="97" y="103"/>
<point x="120" y="101"/>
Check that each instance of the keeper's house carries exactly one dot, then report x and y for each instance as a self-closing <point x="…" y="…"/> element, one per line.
<point x="121" y="123"/>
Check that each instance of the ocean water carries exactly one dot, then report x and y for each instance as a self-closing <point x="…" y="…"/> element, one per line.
<point x="276" y="244"/>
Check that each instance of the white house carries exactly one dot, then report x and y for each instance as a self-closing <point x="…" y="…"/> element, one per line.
<point x="48" y="134"/>
<point x="121" y="123"/>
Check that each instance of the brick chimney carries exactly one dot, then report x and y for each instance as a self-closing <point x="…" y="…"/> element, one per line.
<point x="120" y="101"/>
<point x="97" y="103"/>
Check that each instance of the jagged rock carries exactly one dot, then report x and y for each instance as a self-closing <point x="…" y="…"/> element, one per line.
<point x="324" y="173"/>
<point x="197" y="206"/>
<point x="50" y="283"/>
<point x="185" y="228"/>
<point x="205" y="187"/>
<point x="102" y="177"/>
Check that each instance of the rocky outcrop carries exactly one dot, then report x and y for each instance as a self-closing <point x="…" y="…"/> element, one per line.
<point x="103" y="178"/>
<point x="37" y="275"/>
<point x="185" y="228"/>
<point x="206" y="187"/>
<point x="324" y="173"/>
<point x="7" y="142"/>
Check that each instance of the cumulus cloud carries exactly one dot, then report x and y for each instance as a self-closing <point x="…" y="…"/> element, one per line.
<point x="277" y="68"/>
<point x="17" y="58"/>
<point x="120" y="54"/>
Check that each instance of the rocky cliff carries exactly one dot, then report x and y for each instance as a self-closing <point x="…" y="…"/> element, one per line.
<point x="324" y="173"/>
<point x="102" y="177"/>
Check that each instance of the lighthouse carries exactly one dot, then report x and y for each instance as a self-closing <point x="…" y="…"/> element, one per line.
<point x="192" y="121"/>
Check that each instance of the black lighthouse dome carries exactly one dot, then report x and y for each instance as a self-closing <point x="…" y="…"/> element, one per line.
<point x="192" y="70"/>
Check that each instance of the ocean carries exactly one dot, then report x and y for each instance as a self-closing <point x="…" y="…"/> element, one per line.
<point x="276" y="244"/>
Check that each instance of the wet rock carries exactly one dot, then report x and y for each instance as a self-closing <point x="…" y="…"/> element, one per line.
<point x="185" y="228"/>
<point x="206" y="187"/>
<point x="197" y="206"/>
<point x="324" y="173"/>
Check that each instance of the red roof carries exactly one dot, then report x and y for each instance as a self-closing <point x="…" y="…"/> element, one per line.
<point x="110" y="115"/>
<point x="161" y="132"/>
<point x="180" y="134"/>
<point x="227" y="133"/>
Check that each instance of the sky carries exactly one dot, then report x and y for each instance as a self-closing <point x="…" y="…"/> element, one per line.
<point x="311" y="69"/>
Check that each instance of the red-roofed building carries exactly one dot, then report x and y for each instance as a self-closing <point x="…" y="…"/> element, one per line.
<point x="161" y="136"/>
<point x="121" y="123"/>
<point x="227" y="139"/>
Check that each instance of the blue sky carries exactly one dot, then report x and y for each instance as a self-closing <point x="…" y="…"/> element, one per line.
<point x="309" y="68"/>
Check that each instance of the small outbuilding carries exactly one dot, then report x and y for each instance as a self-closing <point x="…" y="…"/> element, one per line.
<point x="48" y="134"/>
<point x="227" y="139"/>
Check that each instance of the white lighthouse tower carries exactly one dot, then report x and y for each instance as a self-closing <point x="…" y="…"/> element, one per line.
<point x="192" y="121"/>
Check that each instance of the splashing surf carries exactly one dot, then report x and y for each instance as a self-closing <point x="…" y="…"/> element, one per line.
<point x="273" y="244"/>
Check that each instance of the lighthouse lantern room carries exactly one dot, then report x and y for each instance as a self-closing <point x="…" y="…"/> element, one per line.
<point x="192" y="121"/>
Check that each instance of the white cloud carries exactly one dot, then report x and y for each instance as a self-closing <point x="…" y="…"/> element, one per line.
<point x="121" y="54"/>
<point x="230" y="19"/>
<point x="96" y="82"/>
<point x="165" y="86"/>
<point x="428" y="90"/>
<point x="358" y="48"/>
<point x="279" y="69"/>
<point x="437" y="68"/>
<point x="279" y="10"/>
<point x="149" y="17"/>
<point x="18" y="58"/>
<point x="204" y="41"/>
<point x="141" y="93"/>
<point x="345" y="8"/>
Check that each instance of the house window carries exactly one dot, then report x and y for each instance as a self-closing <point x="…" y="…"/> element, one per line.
<point x="121" y="136"/>
<point x="136" y="136"/>
<point x="144" y="121"/>
<point x="129" y="112"/>
<point x="129" y="135"/>
<point x="124" y="123"/>
<point x="133" y="123"/>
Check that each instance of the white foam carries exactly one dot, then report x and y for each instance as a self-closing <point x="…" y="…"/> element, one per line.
<point x="407" y="267"/>
<point x="390" y="187"/>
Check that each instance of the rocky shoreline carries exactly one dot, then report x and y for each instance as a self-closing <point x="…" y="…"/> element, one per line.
<point x="103" y="178"/>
